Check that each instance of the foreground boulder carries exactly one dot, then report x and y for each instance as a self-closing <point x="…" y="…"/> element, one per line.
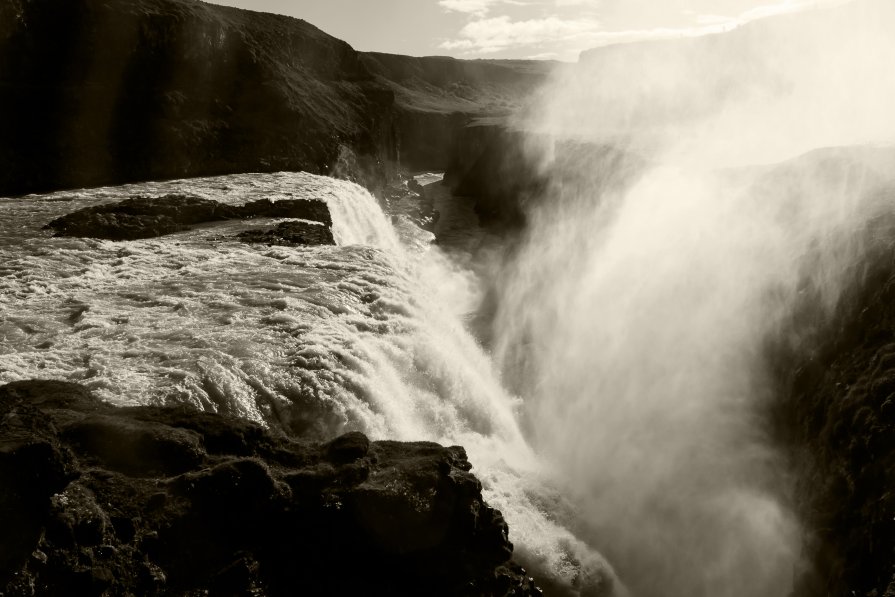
<point x="150" y="217"/>
<point x="97" y="500"/>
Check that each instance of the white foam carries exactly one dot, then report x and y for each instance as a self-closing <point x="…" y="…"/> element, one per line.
<point x="365" y="335"/>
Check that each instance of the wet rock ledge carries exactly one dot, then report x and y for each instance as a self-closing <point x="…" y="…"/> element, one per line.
<point x="150" y="217"/>
<point x="99" y="500"/>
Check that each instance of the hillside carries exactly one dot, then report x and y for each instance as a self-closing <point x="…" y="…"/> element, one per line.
<point x="107" y="91"/>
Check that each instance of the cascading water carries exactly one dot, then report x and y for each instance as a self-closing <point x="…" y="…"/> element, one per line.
<point x="366" y="335"/>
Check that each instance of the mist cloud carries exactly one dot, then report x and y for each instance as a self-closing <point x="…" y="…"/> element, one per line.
<point x="690" y="199"/>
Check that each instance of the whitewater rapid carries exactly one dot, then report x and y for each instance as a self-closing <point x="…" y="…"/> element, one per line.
<point x="367" y="335"/>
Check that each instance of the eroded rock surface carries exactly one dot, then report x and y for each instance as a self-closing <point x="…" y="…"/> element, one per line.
<point x="149" y="217"/>
<point x="289" y="234"/>
<point x="98" y="500"/>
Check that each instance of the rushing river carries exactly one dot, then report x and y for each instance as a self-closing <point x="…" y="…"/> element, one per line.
<point x="366" y="335"/>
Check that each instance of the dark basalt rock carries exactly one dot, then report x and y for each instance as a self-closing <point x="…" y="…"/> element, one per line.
<point x="305" y="209"/>
<point x="290" y="234"/>
<point x="112" y="226"/>
<point x="150" y="217"/>
<point x="141" y="217"/>
<point x="98" y="500"/>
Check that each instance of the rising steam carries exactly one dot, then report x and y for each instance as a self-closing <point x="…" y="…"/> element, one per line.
<point x="634" y="313"/>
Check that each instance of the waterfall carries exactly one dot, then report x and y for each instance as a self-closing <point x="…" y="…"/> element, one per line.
<point x="357" y="217"/>
<point x="367" y="335"/>
<point x="664" y="253"/>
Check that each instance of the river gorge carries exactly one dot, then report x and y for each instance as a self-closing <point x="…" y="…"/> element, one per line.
<point x="619" y="336"/>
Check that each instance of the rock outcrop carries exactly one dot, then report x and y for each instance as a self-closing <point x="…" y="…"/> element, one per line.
<point x="150" y="217"/>
<point x="98" y="500"/>
<point x="290" y="234"/>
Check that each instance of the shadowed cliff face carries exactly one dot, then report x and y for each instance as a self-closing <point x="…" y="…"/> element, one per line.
<point x="103" y="92"/>
<point x="834" y="370"/>
<point x="436" y="97"/>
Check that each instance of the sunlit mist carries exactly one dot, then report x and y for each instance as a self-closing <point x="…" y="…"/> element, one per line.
<point x="633" y="316"/>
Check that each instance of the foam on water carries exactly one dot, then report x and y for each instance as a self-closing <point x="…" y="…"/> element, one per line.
<point x="366" y="335"/>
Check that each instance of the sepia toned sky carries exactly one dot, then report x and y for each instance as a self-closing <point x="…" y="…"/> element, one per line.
<point x="545" y="29"/>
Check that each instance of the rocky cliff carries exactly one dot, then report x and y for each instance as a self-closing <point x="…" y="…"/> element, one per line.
<point x="98" y="500"/>
<point x="107" y="91"/>
<point x="436" y="97"/>
<point x="835" y="376"/>
<point x="98" y="92"/>
<point x="507" y="172"/>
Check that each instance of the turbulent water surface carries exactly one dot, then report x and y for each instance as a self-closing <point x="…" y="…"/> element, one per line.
<point x="366" y="335"/>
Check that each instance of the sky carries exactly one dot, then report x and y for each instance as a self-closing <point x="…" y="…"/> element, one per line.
<point x="538" y="29"/>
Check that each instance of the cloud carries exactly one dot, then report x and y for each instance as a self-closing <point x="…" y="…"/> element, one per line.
<point x="478" y="8"/>
<point x="560" y="38"/>
<point x="714" y="22"/>
<point x="500" y="33"/>
<point x="784" y="7"/>
<point x="712" y="19"/>
<point x="564" y="36"/>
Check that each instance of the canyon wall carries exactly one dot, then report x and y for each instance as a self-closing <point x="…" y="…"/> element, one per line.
<point x="103" y="92"/>
<point x="835" y="413"/>
<point x="106" y="92"/>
